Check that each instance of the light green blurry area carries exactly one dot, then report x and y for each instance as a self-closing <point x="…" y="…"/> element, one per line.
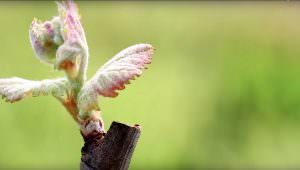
<point x="223" y="89"/>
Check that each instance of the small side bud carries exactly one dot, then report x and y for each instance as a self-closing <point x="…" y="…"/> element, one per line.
<point x="45" y="39"/>
<point x="68" y="58"/>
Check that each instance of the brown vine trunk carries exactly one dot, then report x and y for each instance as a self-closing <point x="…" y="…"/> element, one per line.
<point x="112" y="151"/>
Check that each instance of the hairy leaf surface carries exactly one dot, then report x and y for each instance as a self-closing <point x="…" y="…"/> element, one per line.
<point x="15" y="89"/>
<point x="114" y="74"/>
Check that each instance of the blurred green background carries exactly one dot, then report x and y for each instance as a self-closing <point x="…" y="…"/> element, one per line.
<point x="223" y="90"/>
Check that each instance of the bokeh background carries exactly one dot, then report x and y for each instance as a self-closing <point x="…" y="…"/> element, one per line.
<point x="223" y="90"/>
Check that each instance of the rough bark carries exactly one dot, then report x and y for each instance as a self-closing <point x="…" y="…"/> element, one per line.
<point x="112" y="151"/>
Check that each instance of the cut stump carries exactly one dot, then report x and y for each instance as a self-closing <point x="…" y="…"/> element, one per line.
<point x="112" y="151"/>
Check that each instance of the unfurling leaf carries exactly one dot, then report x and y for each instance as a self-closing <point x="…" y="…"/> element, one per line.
<point x="75" y="46"/>
<point x="114" y="74"/>
<point x="15" y="89"/>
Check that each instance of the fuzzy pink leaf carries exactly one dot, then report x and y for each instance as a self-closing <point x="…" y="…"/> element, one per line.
<point x="114" y="74"/>
<point x="75" y="44"/>
<point x="72" y="29"/>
